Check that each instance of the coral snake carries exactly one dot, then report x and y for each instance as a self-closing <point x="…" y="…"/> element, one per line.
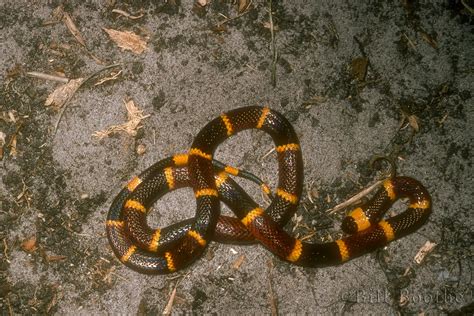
<point x="157" y="251"/>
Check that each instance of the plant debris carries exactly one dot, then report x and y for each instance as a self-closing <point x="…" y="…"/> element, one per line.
<point x="412" y="120"/>
<point x="53" y="258"/>
<point x="128" y="15"/>
<point x="359" y="68"/>
<point x="169" y="305"/>
<point x="135" y="116"/>
<point x="271" y="293"/>
<point x="73" y="29"/>
<point x="314" y="101"/>
<point x="238" y="262"/>
<point x="13" y="151"/>
<point x="113" y="76"/>
<point x="29" y="245"/>
<point x="244" y="5"/>
<point x="44" y="76"/>
<point x="356" y="198"/>
<point x="203" y="3"/>
<point x="63" y="93"/>
<point x="272" y="28"/>
<point x="2" y="143"/>
<point x="429" y="39"/>
<point x="141" y="149"/>
<point x="127" y="40"/>
<point x="424" y="251"/>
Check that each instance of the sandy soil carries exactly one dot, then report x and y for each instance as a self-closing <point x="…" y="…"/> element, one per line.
<point x="356" y="80"/>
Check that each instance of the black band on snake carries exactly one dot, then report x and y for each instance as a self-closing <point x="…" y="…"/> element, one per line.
<point x="157" y="251"/>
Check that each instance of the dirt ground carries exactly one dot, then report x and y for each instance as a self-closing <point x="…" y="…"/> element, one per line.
<point x="356" y="79"/>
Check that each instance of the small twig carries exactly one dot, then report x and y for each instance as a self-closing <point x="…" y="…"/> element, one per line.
<point x="119" y="276"/>
<point x="410" y="41"/>
<point x="112" y="77"/>
<point x="169" y="305"/>
<point x="167" y="310"/>
<point x="267" y="154"/>
<point x="297" y="220"/>
<point x="44" y="76"/>
<point x="10" y="309"/>
<point x="468" y="8"/>
<point x="174" y="277"/>
<point x="274" y="52"/>
<point x="309" y="189"/>
<point x="227" y="19"/>
<point x="99" y="71"/>
<point x="310" y="235"/>
<point x="71" y="26"/>
<point x="272" y="298"/>
<point x="127" y="15"/>
<point x="355" y="198"/>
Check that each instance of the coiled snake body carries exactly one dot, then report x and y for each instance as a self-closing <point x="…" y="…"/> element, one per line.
<point x="157" y="251"/>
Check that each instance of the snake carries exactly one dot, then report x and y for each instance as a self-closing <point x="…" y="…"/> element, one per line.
<point x="170" y="249"/>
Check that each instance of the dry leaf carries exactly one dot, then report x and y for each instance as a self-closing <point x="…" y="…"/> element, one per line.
<point x="127" y="40"/>
<point x="424" y="251"/>
<point x="413" y="121"/>
<point x="135" y="116"/>
<point x="359" y="68"/>
<point x="244" y="5"/>
<point x="73" y="29"/>
<point x="63" y="93"/>
<point x="29" y="245"/>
